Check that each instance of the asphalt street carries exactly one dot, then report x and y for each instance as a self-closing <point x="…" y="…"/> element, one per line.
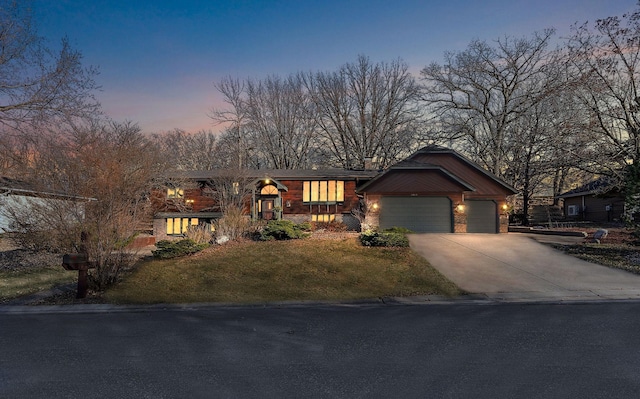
<point x="509" y="350"/>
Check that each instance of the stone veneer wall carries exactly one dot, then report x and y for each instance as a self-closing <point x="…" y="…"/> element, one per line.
<point x="504" y="222"/>
<point x="459" y="221"/>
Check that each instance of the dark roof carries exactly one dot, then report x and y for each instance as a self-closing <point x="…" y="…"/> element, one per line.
<point x="595" y="187"/>
<point x="21" y="187"/>
<point x="436" y="149"/>
<point x="7" y="183"/>
<point x="409" y="164"/>
<point x="280" y="174"/>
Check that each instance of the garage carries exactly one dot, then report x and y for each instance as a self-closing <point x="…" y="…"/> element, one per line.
<point x="418" y="214"/>
<point x="482" y="216"/>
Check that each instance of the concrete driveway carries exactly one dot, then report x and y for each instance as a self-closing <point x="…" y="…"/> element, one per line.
<point x="516" y="267"/>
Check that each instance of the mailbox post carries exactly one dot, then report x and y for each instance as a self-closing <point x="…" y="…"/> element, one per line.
<point x="80" y="263"/>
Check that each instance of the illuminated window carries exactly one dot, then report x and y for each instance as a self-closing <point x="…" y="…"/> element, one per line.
<point x="323" y="191"/>
<point x="323" y="218"/>
<point x="315" y="191"/>
<point x="177" y="226"/>
<point x="269" y="190"/>
<point x="175" y="193"/>
<point x="236" y="188"/>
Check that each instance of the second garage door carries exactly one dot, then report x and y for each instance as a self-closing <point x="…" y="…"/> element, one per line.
<point x="482" y="217"/>
<point x="418" y="214"/>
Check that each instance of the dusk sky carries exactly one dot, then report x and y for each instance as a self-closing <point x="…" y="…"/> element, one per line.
<point x="159" y="59"/>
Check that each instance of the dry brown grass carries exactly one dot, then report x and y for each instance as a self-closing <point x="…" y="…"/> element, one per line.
<point x="251" y="272"/>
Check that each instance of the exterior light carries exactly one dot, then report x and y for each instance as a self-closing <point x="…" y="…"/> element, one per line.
<point x="504" y="207"/>
<point x="267" y="181"/>
<point x="460" y="208"/>
<point x="189" y="201"/>
<point x="375" y="206"/>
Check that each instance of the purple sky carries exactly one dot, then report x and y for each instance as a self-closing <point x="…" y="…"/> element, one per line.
<point x="158" y="59"/>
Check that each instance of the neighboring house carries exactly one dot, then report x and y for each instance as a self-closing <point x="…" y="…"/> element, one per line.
<point x="21" y="195"/>
<point x="438" y="190"/>
<point x="597" y="201"/>
<point x="433" y="190"/>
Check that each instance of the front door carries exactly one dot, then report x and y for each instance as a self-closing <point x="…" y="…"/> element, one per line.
<point x="267" y="209"/>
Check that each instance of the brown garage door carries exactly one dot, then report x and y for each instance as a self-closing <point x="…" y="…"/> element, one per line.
<point x="482" y="217"/>
<point x="418" y="214"/>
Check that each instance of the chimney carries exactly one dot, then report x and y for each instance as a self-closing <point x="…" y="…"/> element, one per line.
<point x="368" y="163"/>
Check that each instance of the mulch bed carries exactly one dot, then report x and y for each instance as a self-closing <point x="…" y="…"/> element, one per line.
<point x="620" y="249"/>
<point x="19" y="259"/>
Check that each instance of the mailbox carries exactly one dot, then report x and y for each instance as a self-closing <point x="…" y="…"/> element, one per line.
<point x="79" y="262"/>
<point x="75" y="262"/>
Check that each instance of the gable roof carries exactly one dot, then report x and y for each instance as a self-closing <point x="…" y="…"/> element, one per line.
<point x="431" y="150"/>
<point x="410" y="165"/>
<point x="599" y="186"/>
<point x="448" y="163"/>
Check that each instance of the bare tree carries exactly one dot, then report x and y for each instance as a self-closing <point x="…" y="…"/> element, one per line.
<point x="234" y="142"/>
<point x="189" y="151"/>
<point x="366" y="110"/>
<point x="605" y="61"/>
<point x="279" y="115"/>
<point x="480" y="93"/>
<point x="36" y="83"/>
<point x="111" y="163"/>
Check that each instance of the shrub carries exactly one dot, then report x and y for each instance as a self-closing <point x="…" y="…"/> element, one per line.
<point x="201" y="234"/>
<point x="233" y="225"/>
<point x="284" y="230"/>
<point x="173" y="249"/>
<point x="392" y="237"/>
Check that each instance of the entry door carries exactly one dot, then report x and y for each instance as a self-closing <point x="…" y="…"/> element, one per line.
<point x="267" y="209"/>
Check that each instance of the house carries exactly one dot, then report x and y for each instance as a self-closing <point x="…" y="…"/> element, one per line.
<point x="596" y="201"/>
<point x="437" y="190"/>
<point x="21" y="196"/>
<point x="321" y="195"/>
<point x="434" y="190"/>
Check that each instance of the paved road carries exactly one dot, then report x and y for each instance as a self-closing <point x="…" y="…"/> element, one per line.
<point x="587" y="350"/>
<point x="516" y="267"/>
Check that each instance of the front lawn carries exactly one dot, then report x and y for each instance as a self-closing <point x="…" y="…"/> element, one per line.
<point x="251" y="272"/>
<point x="17" y="283"/>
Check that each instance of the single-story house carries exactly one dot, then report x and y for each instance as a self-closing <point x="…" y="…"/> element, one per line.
<point x="434" y="190"/>
<point x="596" y="201"/>
<point x="19" y="195"/>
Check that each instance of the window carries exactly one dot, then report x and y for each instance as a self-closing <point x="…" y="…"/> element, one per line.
<point x="269" y="190"/>
<point x="177" y="226"/>
<point x="175" y="193"/>
<point x="573" y="210"/>
<point x="327" y="191"/>
<point x="323" y="218"/>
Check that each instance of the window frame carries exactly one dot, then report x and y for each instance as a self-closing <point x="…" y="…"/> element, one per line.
<point x="183" y="225"/>
<point x="328" y="192"/>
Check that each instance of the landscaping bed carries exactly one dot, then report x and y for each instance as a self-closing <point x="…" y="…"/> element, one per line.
<point x="619" y="249"/>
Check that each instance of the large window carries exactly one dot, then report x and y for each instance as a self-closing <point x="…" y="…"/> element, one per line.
<point x="323" y="218"/>
<point x="177" y="226"/>
<point x="325" y="191"/>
